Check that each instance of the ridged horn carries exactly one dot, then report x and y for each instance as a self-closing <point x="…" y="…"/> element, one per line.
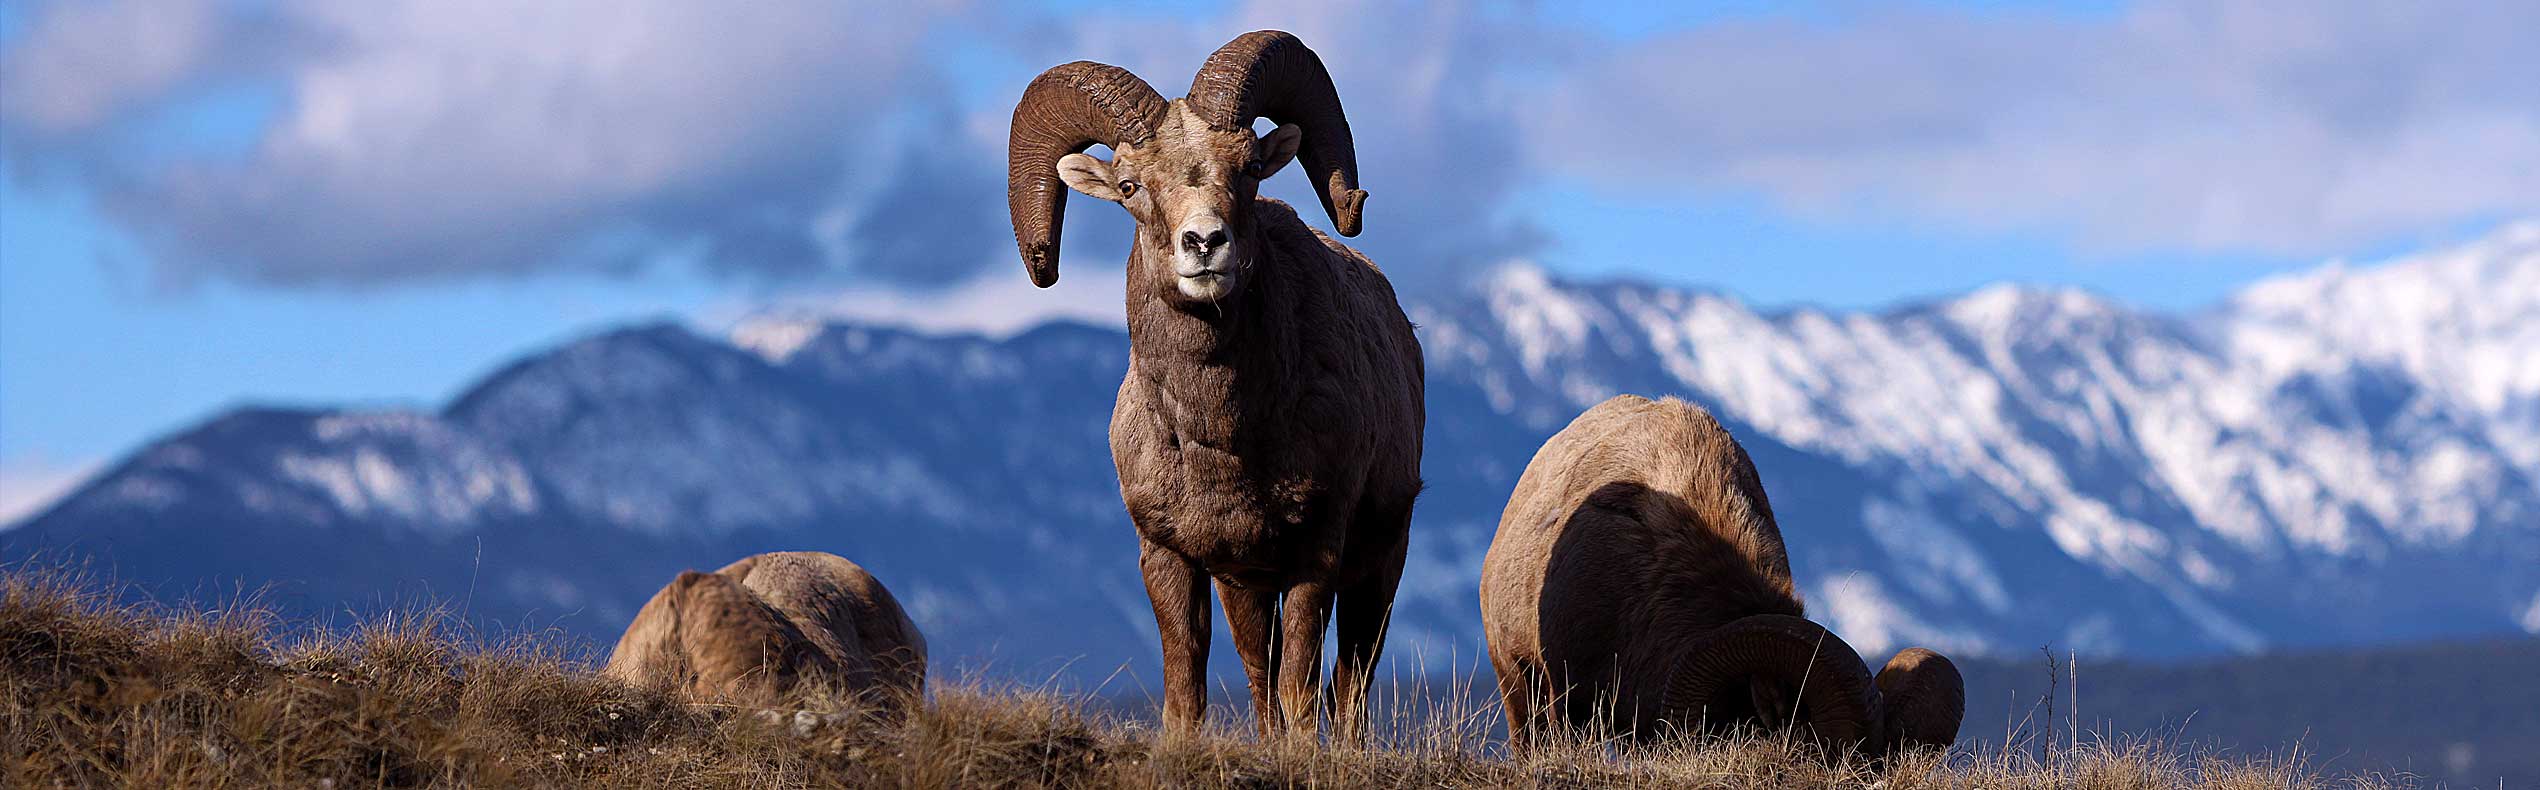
<point x="1926" y="699"/>
<point x="1270" y="74"/>
<point x="1064" y="111"/>
<point x="1834" y="688"/>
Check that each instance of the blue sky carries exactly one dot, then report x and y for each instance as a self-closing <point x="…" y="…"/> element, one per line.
<point x="206" y="204"/>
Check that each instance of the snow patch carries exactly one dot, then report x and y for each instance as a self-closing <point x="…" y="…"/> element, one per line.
<point x="999" y="303"/>
<point x="1916" y="538"/>
<point x="776" y="339"/>
<point x="1863" y="614"/>
<point x="1543" y="319"/>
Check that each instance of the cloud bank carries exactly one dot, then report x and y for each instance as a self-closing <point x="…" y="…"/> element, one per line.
<point x="2288" y="128"/>
<point x="428" y="139"/>
<point x="408" y="140"/>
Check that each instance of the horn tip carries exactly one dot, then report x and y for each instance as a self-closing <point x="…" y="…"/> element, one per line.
<point x="1348" y="212"/>
<point x="1041" y="262"/>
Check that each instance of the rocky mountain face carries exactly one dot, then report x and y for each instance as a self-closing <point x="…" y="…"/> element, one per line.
<point x="2345" y="456"/>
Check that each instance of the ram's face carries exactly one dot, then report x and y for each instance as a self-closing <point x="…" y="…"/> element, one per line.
<point x="1191" y="191"/>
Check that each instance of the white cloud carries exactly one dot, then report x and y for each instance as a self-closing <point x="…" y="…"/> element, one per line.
<point x="421" y="139"/>
<point x="417" y="140"/>
<point x="89" y="62"/>
<point x="998" y="302"/>
<point x="2278" y="127"/>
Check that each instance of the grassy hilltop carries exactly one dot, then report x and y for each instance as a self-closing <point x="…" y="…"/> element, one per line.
<point x="99" y="693"/>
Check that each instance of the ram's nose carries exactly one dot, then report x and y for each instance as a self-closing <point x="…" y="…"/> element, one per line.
<point x="1204" y="243"/>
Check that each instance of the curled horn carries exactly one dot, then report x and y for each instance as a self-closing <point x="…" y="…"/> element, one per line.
<point x="1835" y="691"/>
<point x="1270" y="74"/>
<point x="1926" y="699"/>
<point x="1064" y="111"/>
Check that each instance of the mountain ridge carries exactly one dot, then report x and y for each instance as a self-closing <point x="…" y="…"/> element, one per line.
<point x="1984" y="473"/>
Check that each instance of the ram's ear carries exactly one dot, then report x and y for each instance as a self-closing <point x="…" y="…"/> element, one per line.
<point x="1091" y="176"/>
<point x="1276" y="149"/>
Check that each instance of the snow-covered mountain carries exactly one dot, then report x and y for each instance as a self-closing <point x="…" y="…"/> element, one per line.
<point x="2342" y="456"/>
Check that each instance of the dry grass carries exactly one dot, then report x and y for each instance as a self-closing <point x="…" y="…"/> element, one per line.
<point x="104" y="694"/>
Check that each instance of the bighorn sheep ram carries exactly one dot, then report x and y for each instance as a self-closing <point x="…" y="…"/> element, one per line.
<point x="753" y="630"/>
<point x="1638" y="582"/>
<point x="1268" y="432"/>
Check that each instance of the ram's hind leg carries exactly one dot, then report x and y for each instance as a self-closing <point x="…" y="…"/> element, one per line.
<point x="1519" y="687"/>
<point x="1366" y="612"/>
<point x="1304" y="615"/>
<point x="1252" y="616"/>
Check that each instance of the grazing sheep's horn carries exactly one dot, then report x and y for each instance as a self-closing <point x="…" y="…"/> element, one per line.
<point x="1270" y="74"/>
<point x="1834" y="688"/>
<point x="1066" y="110"/>
<point x="1925" y="698"/>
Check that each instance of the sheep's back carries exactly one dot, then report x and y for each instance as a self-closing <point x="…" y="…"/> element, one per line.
<point x="708" y="636"/>
<point x="1352" y="323"/>
<point x="1640" y="523"/>
<point x="842" y="608"/>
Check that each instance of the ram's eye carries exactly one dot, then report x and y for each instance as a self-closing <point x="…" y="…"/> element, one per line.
<point x="1253" y="169"/>
<point x="1128" y="186"/>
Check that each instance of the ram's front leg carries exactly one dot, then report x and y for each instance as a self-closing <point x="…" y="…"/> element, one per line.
<point x="1252" y="618"/>
<point x="1179" y="592"/>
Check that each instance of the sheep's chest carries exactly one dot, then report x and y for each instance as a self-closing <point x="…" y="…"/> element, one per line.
<point x="1234" y="509"/>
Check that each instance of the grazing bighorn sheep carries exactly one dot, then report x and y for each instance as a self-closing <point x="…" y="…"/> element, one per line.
<point x="1268" y="432"/>
<point x="1638" y="582"/>
<point x="753" y="630"/>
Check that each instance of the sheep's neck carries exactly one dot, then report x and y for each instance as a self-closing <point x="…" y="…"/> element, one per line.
<point x="1211" y="365"/>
